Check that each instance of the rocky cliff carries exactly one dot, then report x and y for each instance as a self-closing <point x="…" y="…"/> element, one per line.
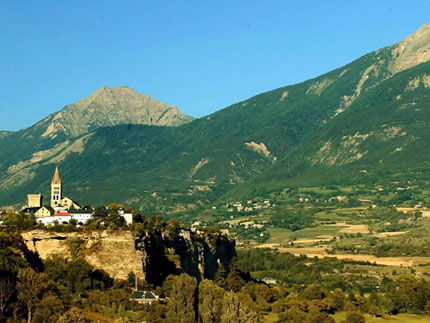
<point x="152" y="256"/>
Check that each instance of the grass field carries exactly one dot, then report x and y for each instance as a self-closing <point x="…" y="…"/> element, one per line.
<point x="279" y="235"/>
<point x="339" y="214"/>
<point x="400" y="318"/>
<point x="339" y="317"/>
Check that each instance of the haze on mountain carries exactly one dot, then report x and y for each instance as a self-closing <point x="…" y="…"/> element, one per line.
<point x="364" y="121"/>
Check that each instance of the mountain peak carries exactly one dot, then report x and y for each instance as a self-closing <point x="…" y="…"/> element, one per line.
<point x="112" y="106"/>
<point x="115" y="89"/>
<point x="412" y="51"/>
<point x="423" y="31"/>
<point x="106" y="92"/>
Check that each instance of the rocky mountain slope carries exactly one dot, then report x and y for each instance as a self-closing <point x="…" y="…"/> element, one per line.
<point x="363" y="118"/>
<point x="53" y="138"/>
<point x="108" y="107"/>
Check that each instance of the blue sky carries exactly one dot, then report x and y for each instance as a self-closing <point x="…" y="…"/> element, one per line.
<point x="198" y="55"/>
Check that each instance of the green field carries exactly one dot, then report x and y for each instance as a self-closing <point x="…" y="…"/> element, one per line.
<point x="279" y="235"/>
<point x="339" y="317"/>
<point x="339" y="214"/>
<point x="400" y="318"/>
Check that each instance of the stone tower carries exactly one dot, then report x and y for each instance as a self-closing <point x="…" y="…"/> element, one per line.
<point x="56" y="189"/>
<point x="34" y="200"/>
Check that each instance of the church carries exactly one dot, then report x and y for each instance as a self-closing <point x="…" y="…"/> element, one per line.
<point x="58" y="202"/>
<point x="62" y="209"/>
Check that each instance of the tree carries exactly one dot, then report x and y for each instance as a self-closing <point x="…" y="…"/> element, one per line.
<point x="73" y="315"/>
<point x="220" y="276"/>
<point x="7" y="290"/>
<point x="293" y="315"/>
<point x="210" y="301"/>
<point x="263" y="295"/>
<point x="19" y="222"/>
<point x="31" y="288"/>
<point x="234" y="280"/>
<point x="320" y="318"/>
<point x="50" y="308"/>
<point x="312" y="292"/>
<point x="100" y="213"/>
<point x="78" y="275"/>
<point x="339" y="299"/>
<point x="156" y="313"/>
<point x="182" y="300"/>
<point x="235" y="311"/>
<point x="355" y="317"/>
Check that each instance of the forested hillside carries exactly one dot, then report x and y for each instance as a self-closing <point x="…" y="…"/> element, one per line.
<point x="364" y="121"/>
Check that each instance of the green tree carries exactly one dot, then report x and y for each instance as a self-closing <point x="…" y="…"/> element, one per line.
<point x="293" y="315"/>
<point x="100" y="213"/>
<point x="50" y="308"/>
<point x="7" y="290"/>
<point x="156" y="313"/>
<point x="220" y="276"/>
<point x="73" y="315"/>
<point x="234" y="280"/>
<point x="312" y="292"/>
<point x="31" y="288"/>
<point x="19" y="222"/>
<point x="355" y="317"/>
<point x="320" y="318"/>
<point x="182" y="301"/>
<point x="210" y="301"/>
<point x="263" y="296"/>
<point x="339" y="299"/>
<point x="78" y="275"/>
<point x="235" y="311"/>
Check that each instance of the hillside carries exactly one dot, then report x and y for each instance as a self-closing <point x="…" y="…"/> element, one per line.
<point x="381" y="138"/>
<point x="356" y="123"/>
<point x="105" y="107"/>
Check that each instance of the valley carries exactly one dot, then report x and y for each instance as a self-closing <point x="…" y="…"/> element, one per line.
<point x="307" y="203"/>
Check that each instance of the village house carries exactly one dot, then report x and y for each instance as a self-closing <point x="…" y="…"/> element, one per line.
<point x="59" y="217"/>
<point x="82" y="215"/>
<point x="43" y="212"/>
<point x="144" y="297"/>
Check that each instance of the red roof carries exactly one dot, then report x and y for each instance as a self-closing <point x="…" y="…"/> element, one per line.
<point x="61" y="214"/>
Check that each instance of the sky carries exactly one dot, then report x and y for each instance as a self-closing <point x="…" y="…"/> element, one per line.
<point x="198" y="55"/>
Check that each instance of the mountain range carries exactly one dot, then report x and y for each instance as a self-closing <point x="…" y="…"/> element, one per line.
<point x="365" y="121"/>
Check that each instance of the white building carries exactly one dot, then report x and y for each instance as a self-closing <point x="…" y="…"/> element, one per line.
<point x="60" y="217"/>
<point x="81" y="216"/>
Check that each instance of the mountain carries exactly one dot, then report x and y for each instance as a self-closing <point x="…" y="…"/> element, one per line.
<point x="5" y="134"/>
<point x="379" y="133"/>
<point x="367" y="118"/>
<point x="108" y="107"/>
<point x="66" y="131"/>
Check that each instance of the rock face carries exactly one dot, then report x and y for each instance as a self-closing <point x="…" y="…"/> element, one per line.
<point x="413" y="50"/>
<point x="113" y="252"/>
<point x="5" y="134"/>
<point x="109" y="107"/>
<point x="152" y="256"/>
<point x="197" y="254"/>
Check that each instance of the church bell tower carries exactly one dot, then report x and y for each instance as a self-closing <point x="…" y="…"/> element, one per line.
<point x="56" y="189"/>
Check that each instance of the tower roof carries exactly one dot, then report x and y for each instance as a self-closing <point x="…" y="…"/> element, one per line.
<point x="56" y="179"/>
